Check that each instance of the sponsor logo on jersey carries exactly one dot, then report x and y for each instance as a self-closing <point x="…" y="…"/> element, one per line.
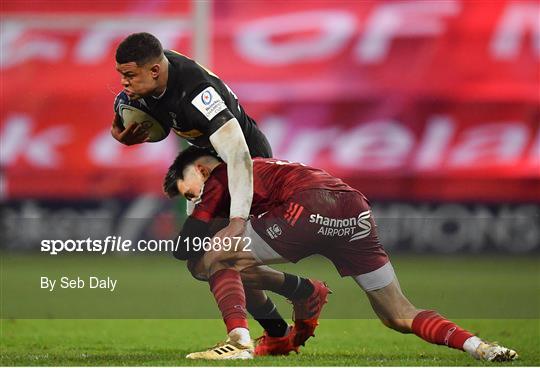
<point x="209" y="103"/>
<point x="356" y="227"/>
<point x="293" y="213"/>
<point x="206" y="97"/>
<point x="274" y="231"/>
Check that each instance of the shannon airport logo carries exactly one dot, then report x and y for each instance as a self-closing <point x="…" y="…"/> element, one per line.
<point x="357" y="227"/>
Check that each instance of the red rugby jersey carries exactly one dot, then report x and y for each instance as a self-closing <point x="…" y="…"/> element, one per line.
<point x="274" y="182"/>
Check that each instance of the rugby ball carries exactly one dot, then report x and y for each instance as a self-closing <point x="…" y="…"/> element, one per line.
<point x="131" y="115"/>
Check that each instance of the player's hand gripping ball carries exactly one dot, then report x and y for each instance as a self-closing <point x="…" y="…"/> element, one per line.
<point x="131" y="115"/>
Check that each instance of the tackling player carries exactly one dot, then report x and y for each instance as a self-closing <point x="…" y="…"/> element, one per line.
<point x="199" y="107"/>
<point x="298" y="211"/>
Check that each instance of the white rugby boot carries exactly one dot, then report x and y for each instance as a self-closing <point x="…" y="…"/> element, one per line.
<point x="489" y="351"/>
<point x="226" y="350"/>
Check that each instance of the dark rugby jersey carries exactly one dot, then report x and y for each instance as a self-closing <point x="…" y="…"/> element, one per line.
<point x="196" y="103"/>
<point x="274" y="182"/>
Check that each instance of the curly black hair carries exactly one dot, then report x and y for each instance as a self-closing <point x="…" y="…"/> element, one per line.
<point x="140" y="48"/>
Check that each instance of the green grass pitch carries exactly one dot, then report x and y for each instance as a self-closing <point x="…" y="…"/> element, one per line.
<point x="496" y="297"/>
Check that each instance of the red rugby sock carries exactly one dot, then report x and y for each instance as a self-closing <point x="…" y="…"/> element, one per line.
<point x="433" y="328"/>
<point x="226" y="285"/>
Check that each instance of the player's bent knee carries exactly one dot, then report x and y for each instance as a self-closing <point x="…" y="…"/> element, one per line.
<point x="218" y="260"/>
<point x="214" y="257"/>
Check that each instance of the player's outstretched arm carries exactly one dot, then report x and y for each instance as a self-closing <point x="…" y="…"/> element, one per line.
<point x="230" y="144"/>
<point x="133" y="134"/>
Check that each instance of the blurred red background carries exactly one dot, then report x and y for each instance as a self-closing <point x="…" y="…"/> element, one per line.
<point x="405" y="100"/>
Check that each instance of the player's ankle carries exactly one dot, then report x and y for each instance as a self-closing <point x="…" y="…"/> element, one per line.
<point x="240" y="335"/>
<point x="269" y="318"/>
<point x="471" y="344"/>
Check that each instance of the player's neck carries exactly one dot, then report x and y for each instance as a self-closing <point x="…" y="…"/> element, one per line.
<point x="209" y="163"/>
<point x="212" y="165"/>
